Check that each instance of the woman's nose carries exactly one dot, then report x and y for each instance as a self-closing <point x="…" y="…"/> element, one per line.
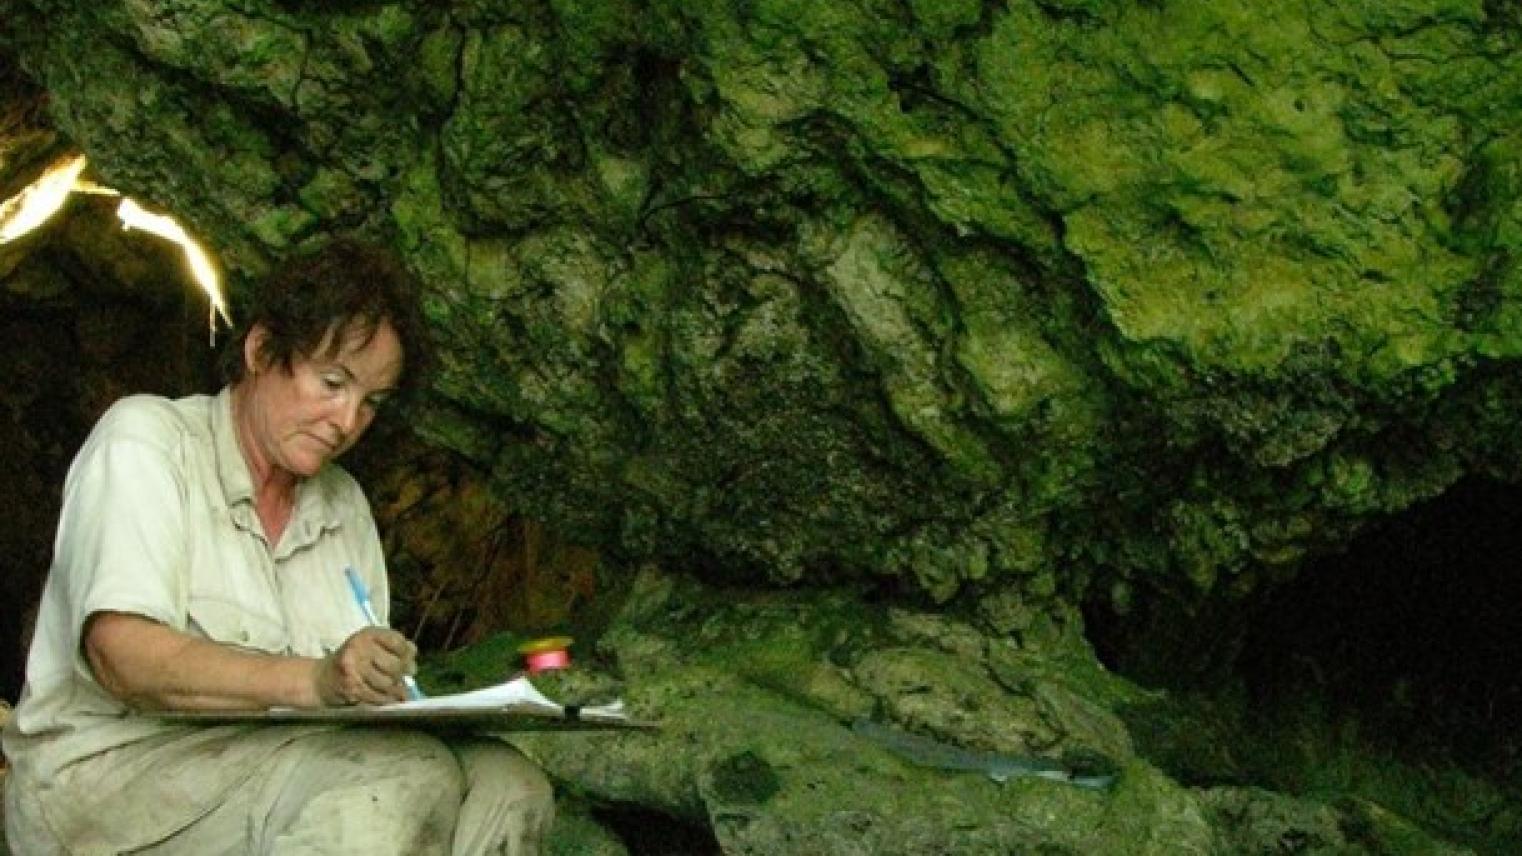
<point x="347" y="416"/>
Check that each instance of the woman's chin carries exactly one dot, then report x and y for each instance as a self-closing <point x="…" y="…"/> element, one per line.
<point x="307" y="466"/>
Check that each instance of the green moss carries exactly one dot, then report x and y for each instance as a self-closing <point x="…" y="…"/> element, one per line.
<point x="945" y="17"/>
<point x="626" y="182"/>
<point x="438" y="53"/>
<point x="329" y="193"/>
<point x="879" y="286"/>
<point x="488" y="662"/>
<point x="424" y="231"/>
<point x="593" y="31"/>
<point x="392" y="26"/>
<point x="744" y="778"/>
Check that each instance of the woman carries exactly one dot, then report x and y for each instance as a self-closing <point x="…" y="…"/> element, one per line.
<point x="200" y="565"/>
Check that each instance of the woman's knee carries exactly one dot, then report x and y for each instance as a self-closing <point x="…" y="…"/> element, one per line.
<point x="400" y="765"/>
<point x="433" y="764"/>
<point x="500" y="769"/>
<point x="509" y="802"/>
<point x="386" y="789"/>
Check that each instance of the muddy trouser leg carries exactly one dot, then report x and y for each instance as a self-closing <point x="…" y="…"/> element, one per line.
<point x="370" y="791"/>
<point x="25" y="831"/>
<point x="361" y="791"/>
<point x="509" y="804"/>
<point x="389" y="793"/>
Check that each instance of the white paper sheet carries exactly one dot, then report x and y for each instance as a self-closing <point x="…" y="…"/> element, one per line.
<point x="518" y="691"/>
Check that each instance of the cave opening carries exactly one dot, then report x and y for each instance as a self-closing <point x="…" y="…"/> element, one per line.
<point x="1416" y="630"/>
<point x="1402" y="652"/>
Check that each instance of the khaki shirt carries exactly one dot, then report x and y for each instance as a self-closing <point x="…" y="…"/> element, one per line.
<point x="158" y="520"/>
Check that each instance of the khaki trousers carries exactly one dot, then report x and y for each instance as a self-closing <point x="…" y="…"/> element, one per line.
<point x="371" y="791"/>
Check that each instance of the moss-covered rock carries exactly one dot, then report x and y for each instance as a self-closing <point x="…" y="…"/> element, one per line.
<point x="760" y="701"/>
<point x="1033" y="295"/>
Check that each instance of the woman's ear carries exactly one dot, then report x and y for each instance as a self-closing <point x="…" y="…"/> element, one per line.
<point x="252" y="344"/>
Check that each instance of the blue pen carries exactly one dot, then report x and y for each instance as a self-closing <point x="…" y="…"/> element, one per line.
<point x="362" y="597"/>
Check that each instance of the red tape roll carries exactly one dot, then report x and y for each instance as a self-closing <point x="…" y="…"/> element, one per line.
<point x="542" y="661"/>
<point x="542" y="655"/>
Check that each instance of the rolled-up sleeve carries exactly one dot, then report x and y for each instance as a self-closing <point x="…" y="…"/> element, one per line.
<point x="121" y="538"/>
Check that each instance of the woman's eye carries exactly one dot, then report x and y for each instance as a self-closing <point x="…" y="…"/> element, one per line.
<point x="333" y="382"/>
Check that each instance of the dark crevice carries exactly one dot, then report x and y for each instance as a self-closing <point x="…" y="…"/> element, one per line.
<point x="1399" y="653"/>
<point x="650" y="833"/>
<point x="1417" y="629"/>
<point x="1402" y="647"/>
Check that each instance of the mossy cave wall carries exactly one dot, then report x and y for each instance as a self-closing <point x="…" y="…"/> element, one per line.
<point x="1012" y="300"/>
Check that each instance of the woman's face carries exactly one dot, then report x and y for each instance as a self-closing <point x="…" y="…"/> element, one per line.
<point x="299" y="420"/>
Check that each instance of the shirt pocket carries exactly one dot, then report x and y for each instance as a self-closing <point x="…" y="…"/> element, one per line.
<point x="230" y="623"/>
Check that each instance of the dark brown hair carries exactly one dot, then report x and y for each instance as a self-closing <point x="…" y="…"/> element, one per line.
<point x="347" y="287"/>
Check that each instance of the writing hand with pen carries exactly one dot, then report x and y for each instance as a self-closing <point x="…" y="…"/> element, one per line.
<point x="373" y="666"/>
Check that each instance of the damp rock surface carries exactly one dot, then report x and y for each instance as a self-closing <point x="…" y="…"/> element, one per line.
<point x="756" y="696"/>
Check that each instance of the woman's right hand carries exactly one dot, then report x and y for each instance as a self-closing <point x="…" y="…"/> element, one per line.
<point x="367" y="669"/>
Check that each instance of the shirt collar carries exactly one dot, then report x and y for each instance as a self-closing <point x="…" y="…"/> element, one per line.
<point x="232" y="469"/>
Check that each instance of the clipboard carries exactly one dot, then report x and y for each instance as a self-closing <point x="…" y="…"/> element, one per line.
<point x="512" y="706"/>
<point x="470" y="718"/>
